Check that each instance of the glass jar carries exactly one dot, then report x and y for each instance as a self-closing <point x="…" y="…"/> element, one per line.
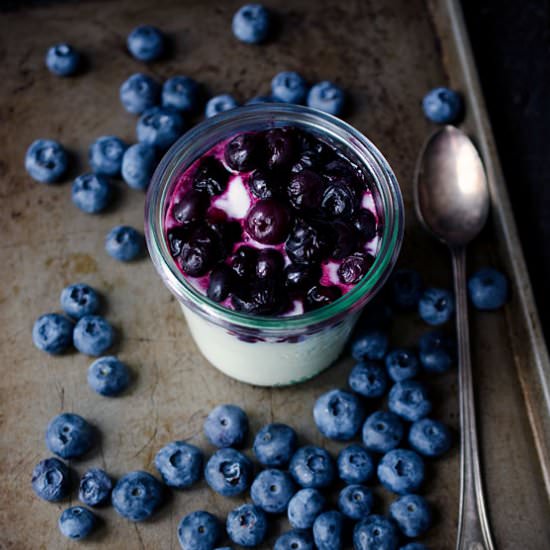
<point x="271" y="351"/>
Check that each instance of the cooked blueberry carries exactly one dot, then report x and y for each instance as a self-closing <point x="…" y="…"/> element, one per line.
<point x="138" y="164"/>
<point x="338" y="201"/>
<point x="176" y="237"/>
<point x="251" y="23"/>
<point x="93" y="335"/>
<point x="305" y="191"/>
<point x="272" y="490"/>
<point x="228" y="233"/>
<point x="412" y="514"/>
<point x="365" y="223"/>
<point x="199" y="531"/>
<point x="221" y="283"/>
<point x="301" y="276"/>
<point x="69" y="435"/>
<point x="108" y="376"/>
<point x="294" y="540"/>
<point x="430" y="437"/>
<point x="219" y="104"/>
<point x="51" y="479"/>
<point x="368" y="379"/>
<point x="437" y="351"/>
<point x="338" y="415"/>
<point x="244" y="152"/>
<point x="228" y="472"/>
<point x="200" y="252"/>
<point x="261" y="298"/>
<point x="436" y="306"/>
<point x="226" y="426"/>
<point x="488" y="289"/>
<point x="95" y="487"/>
<point x="91" y="193"/>
<point x="355" y="464"/>
<point x="304" y="507"/>
<point x="46" y="160"/>
<point x="146" y="43"/>
<point x="281" y="148"/>
<point x="382" y="431"/>
<point x="244" y="262"/>
<point x="305" y="244"/>
<point x="63" y="60"/>
<point x="268" y="222"/>
<point x="179" y="464"/>
<point x="355" y="501"/>
<point x="191" y="207"/>
<point x="270" y="264"/>
<point x="442" y="106"/>
<point x="264" y="185"/>
<point x="160" y="127"/>
<point x="289" y="87"/>
<point x="343" y="237"/>
<point x="181" y="93"/>
<point x="370" y="344"/>
<point x="211" y="177"/>
<point x="52" y="333"/>
<point x="247" y="525"/>
<point x="402" y="364"/>
<point x="77" y="522"/>
<point x="327" y="97"/>
<point x="409" y="400"/>
<point x="275" y="444"/>
<point x="124" y="243"/>
<point x="375" y="532"/>
<point x="401" y="471"/>
<point x="137" y="495"/>
<point x="138" y="93"/>
<point x="328" y="531"/>
<point x="319" y="295"/>
<point x="105" y="155"/>
<point x="312" y="467"/>
<point x="354" y="268"/>
<point x="406" y="288"/>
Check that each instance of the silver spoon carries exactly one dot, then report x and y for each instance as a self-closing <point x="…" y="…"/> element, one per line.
<point x="452" y="202"/>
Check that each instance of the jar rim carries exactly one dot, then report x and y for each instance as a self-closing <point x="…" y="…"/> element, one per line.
<point x="200" y="138"/>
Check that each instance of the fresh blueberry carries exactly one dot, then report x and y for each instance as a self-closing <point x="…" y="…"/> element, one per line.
<point x="219" y="104"/>
<point x="414" y="546"/>
<point x="338" y="414"/>
<point x="275" y="444"/>
<point x="160" y="127"/>
<point x="430" y="437"/>
<point x="52" y="333"/>
<point x="46" y="160"/>
<point x="79" y="299"/>
<point x="304" y="507"/>
<point x="68" y="435"/>
<point x="146" y="43"/>
<point x="412" y="514"/>
<point x="93" y="335"/>
<point x="409" y="400"/>
<point x="62" y="60"/>
<point x="368" y="379"/>
<point x="312" y="467"/>
<point x="251" y="24"/>
<point x="179" y="464"/>
<point x="199" y="531"/>
<point x="108" y="376"/>
<point x="406" y="288"/>
<point x="375" y="533"/>
<point x="289" y="87"/>
<point x="268" y="222"/>
<point x="402" y="364"/>
<point x="226" y="426"/>
<point x="247" y="525"/>
<point x="401" y="471"/>
<point x="95" y="487"/>
<point x="442" y="106"/>
<point x="137" y="495"/>
<point x="228" y="472"/>
<point x="382" y="432"/>
<point x="138" y="164"/>
<point x="436" y="306"/>
<point x="328" y="531"/>
<point x="296" y="539"/>
<point x="105" y="155"/>
<point x="51" y="479"/>
<point x="355" y="501"/>
<point x="77" y="522"/>
<point x="244" y="152"/>
<point x="437" y="351"/>
<point x="272" y="490"/>
<point x="139" y="92"/>
<point x="181" y="93"/>
<point x="124" y="243"/>
<point x="355" y="464"/>
<point x="327" y="97"/>
<point x="259" y="99"/>
<point x="91" y="193"/>
<point x="370" y="344"/>
<point x="488" y="289"/>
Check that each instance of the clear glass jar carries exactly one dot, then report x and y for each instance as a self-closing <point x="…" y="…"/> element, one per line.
<point x="270" y="351"/>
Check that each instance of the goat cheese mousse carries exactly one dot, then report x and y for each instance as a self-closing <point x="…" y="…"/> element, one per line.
<point x="273" y="225"/>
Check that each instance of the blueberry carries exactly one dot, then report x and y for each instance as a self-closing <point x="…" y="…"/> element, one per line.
<point x="264" y="184"/>
<point x="305" y="191"/>
<point x="226" y="426"/>
<point x="77" y="522"/>
<point x="409" y="400"/>
<point x="382" y="432"/>
<point x="95" y="487"/>
<point x="219" y="104"/>
<point x="191" y="207"/>
<point x="199" y="252"/>
<point x="488" y="289"/>
<point x="108" y="376"/>
<point x="304" y="507"/>
<point x="319" y="296"/>
<point x="365" y="223"/>
<point x="401" y="471"/>
<point x="268" y="222"/>
<point x="430" y="437"/>
<point x="52" y="333"/>
<point x="402" y="364"/>
<point x="355" y="501"/>
<point x="370" y="344"/>
<point x="182" y="93"/>
<point x="199" y="531"/>
<point x="300" y="277"/>
<point x="442" y="106"/>
<point x="281" y="148"/>
<point x="406" y="288"/>
<point x="275" y="444"/>
<point x="294" y="540"/>
<point x="270" y="264"/>
<point x="251" y="24"/>
<point x="138" y="164"/>
<point x="272" y="490"/>
<point x="228" y="472"/>
<point x="375" y="533"/>
<point x="221" y="283"/>
<point x="62" y="60"/>
<point x="436" y="306"/>
<point x="46" y="160"/>
<point x="91" y="193"/>
<point x="139" y="92"/>
<point x="146" y="43"/>
<point x="355" y="464"/>
<point x="289" y="87"/>
<point x="339" y="201"/>
<point x="160" y="127"/>
<point x="124" y="243"/>
<point x="247" y="525"/>
<point x="51" y="479"/>
<point x="211" y="177"/>
<point x="305" y="244"/>
<point x="327" y="97"/>
<point x="179" y="464"/>
<point x="93" y="335"/>
<point x="105" y="155"/>
<point x="343" y="242"/>
<point x="244" y="152"/>
<point x="328" y="531"/>
<point x="437" y="351"/>
<point x="244" y="262"/>
<point x="354" y="268"/>
<point x="414" y="546"/>
<point x="368" y="379"/>
<point x="137" y="495"/>
<point x="312" y="467"/>
<point x="412" y="514"/>
<point x="338" y="414"/>
<point x="68" y="435"/>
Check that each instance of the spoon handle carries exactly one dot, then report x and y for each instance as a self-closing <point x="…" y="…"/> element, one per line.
<point x="473" y="525"/>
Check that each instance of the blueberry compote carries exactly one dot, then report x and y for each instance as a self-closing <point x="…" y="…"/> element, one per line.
<point x="273" y="223"/>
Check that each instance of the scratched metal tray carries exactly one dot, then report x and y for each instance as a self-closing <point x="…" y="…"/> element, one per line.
<point x="387" y="53"/>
